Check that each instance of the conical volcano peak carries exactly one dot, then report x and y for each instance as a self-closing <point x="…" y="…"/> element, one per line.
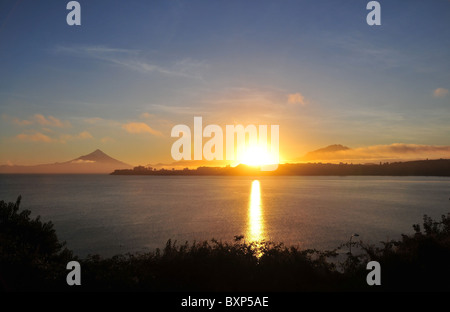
<point x="95" y="162"/>
<point x="97" y="156"/>
<point x="97" y="152"/>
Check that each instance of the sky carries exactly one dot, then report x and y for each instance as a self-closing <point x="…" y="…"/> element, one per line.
<point x="133" y="70"/>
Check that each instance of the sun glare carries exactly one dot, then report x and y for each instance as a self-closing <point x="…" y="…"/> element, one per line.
<point x="257" y="156"/>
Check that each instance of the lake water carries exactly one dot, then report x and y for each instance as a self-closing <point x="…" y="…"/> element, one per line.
<point x="107" y="214"/>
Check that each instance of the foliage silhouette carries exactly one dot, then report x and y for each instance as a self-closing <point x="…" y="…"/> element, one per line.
<point x="32" y="258"/>
<point x="30" y="252"/>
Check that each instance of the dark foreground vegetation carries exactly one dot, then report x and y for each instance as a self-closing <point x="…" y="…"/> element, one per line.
<point x="32" y="258"/>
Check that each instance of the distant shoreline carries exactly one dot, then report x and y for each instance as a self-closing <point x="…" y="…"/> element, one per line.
<point x="437" y="167"/>
<point x="432" y="168"/>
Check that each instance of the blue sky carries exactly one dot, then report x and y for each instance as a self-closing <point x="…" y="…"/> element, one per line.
<point x="134" y="69"/>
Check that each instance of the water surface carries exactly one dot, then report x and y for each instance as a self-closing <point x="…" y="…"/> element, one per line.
<point x="115" y="214"/>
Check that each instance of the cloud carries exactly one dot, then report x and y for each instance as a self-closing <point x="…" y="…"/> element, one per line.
<point x="20" y="122"/>
<point x="63" y="138"/>
<point x="238" y="104"/>
<point x="85" y="135"/>
<point x="35" y="137"/>
<point x="107" y="140"/>
<point x="49" y="121"/>
<point x="146" y="115"/>
<point x="440" y="92"/>
<point x="133" y="60"/>
<point x="392" y="152"/>
<point x="93" y="120"/>
<point x="140" y="127"/>
<point x="296" y="98"/>
<point x="39" y="119"/>
<point x="187" y="110"/>
<point x="82" y="161"/>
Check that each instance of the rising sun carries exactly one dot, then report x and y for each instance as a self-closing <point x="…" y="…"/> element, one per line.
<point x="257" y="156"/>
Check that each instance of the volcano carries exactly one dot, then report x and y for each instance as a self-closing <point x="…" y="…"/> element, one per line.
<point x="95" y="162"/>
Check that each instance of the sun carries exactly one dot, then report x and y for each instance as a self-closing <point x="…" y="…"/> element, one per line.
<point x="257" y="156"/>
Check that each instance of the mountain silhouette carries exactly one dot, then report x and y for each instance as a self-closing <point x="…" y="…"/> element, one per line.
<point x="321" y="153"/>
<point x="99" y="157"/>
<point x="95" y="162"/>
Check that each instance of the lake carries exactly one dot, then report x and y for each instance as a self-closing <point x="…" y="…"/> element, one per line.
<point x="107" y="214"/>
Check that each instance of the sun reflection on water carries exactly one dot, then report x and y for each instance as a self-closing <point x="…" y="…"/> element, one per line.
<point x="255" y="216"/>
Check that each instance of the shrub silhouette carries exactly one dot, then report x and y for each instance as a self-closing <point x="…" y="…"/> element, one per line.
<point x="32" y="258"/>
<point x="417" y="262"/>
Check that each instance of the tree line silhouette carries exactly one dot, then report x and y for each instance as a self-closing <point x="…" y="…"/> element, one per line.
<point x="437" y="167"/>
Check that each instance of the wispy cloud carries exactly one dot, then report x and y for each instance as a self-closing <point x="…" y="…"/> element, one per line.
<point x="250" y="104"/>
<point x="135" y="61"/>
<point x="93" y="120"/>
<point x="62" y="138"/>
<point x="171" y="109"/>
<point x="358" y="50"/>
<point x="107" y="140"/>
<point x="146" y="115"/>
<point x="391" y="152"/>
<point x="85" y="135"/>
<point x="296" y="98"/>
<point x="140" y="127"/>
<point x="39" y="119"/>
<point x="34" y="137"/>
<point x="21" y="122"/>
<point x="50" y="121"/>
<point x="440" y="92"/>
